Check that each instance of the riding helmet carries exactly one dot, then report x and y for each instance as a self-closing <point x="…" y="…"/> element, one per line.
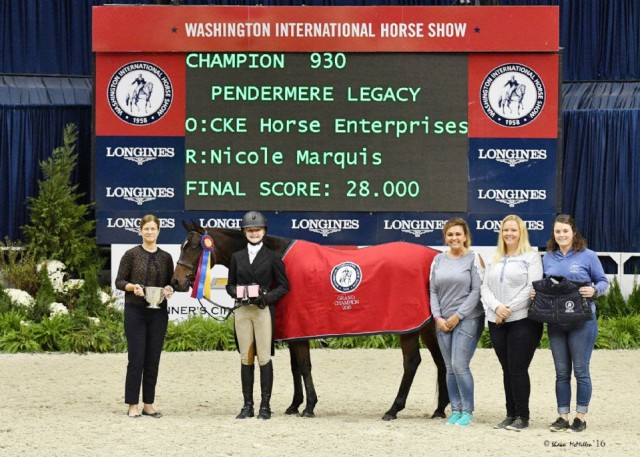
<point x="253" y="219"/>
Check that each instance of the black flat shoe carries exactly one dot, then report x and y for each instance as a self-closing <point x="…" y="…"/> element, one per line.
<point x="156" y="415"/>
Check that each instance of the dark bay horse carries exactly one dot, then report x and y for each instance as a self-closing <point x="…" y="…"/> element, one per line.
<point x="228" y="241"/>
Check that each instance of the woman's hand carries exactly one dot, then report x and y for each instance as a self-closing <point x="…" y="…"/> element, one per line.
<point x="532" y="294"/>
<point x="167" y="291"/>
<point x="452" y="322"/>
<point x="138" y="290"/>
<point x="442" y="325"/>
<point x="503" y="311"/>
<point x="587" y="291"/>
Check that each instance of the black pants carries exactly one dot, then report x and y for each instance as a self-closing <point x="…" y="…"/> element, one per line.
<point x="515" y="344"/>
<point x="145" y="330"/>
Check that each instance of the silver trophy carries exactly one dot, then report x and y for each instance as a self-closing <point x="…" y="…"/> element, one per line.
<point x="153" y="296"/>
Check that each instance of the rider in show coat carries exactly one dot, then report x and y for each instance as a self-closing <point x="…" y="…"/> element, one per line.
<point x="256" y="264"/>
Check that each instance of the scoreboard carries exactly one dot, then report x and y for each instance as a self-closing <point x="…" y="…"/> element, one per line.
<point x="326" y="132"/>
<point x="345" y="125"/>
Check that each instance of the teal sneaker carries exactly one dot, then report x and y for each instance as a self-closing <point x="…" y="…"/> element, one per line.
<point x="465" y="420"/>
<point x="455" y="416"/>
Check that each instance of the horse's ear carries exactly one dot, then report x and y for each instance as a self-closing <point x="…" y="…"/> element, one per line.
<point x="186" y="226"/>
<point x="197" y="227"/>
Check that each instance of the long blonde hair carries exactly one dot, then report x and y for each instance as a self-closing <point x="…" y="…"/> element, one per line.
<point x="523" y="243"/>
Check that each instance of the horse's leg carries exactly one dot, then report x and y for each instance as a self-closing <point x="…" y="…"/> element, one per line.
<point x="298" y="395"/>
<point x="304" y="365"/>
<point x="410" y="361"/>
<point x="428" y="334"/>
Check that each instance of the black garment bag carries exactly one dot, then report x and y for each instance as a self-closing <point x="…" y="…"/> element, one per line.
<point x="558" y="301"/>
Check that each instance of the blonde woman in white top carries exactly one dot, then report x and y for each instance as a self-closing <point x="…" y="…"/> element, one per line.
<point x="505" y="297"/>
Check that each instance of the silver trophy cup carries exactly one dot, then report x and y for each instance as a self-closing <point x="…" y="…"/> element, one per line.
<point x="153" y="296"/>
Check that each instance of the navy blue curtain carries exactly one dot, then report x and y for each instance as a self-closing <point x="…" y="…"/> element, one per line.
<point x="45" y="37"/>
<point x="601" y="172"/>
<point x="29" y="135"/>
<point x="602" y="39"/>
<point x="33" y="113"/>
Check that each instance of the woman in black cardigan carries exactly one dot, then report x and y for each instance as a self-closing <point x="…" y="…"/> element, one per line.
<point x="144" y="266"/>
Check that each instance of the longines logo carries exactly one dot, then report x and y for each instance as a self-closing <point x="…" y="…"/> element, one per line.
<point x="416" y="227"/>
<point x="512" y="197"/>
<point x="494" y="225"/>
<point x="512" y="157"/>
<point x="140" y="195"/>
<point x="325" y="227"/>
<point x="220" y="223"/>
<point x="140" y="155"/>
<point x="132" y="224"/>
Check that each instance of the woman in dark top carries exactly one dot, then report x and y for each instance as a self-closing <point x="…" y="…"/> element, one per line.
<point x="144" y="266"/>
<point x="251" y="268"/>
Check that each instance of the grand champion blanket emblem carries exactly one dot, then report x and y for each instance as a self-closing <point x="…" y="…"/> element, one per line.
<point x="512" y="95"/>
<point x="140" y="93"/>
<point x="346" y="277"/>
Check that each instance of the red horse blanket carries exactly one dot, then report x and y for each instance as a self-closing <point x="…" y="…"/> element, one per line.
<point x="354" y="292"/>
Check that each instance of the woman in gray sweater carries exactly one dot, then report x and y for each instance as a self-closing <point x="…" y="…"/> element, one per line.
<point x="456" y="278"/>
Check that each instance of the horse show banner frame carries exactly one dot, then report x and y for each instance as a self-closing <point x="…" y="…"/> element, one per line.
<point x="167" y="80"/>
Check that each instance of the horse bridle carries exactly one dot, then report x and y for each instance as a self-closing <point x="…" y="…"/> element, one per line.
<point x="193" y="269"/>
<point x="188" y="266"/>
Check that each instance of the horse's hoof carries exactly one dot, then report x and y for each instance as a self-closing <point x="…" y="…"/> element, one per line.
<point x="389" y="417"/>
<point x="307" y="414"/>
<point x="438" y="415"/>
<point x="291" y="411"/>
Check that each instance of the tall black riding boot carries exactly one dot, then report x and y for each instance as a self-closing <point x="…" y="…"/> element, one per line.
<point x="266" y="385"/>
<point x="247" y="375"/>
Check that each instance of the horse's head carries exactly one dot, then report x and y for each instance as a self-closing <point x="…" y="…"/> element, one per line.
<point x="185" y="271"/>
<point x="226" y="242"/>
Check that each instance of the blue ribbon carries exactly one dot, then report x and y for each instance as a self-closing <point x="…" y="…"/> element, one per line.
<point x="207" y="246"/>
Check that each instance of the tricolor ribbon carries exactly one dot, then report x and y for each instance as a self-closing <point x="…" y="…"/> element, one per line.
<point x="203" y="274"/>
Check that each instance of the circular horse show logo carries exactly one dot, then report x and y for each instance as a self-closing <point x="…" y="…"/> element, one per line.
<point x="568" y="306"/>
<point x="512" y="95"/>
<point x="346" y="277"/>
<point x="140" y="93"/>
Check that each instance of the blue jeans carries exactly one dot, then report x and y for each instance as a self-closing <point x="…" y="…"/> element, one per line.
<point x="573" y="347"/>
<point x="457" y="347"/>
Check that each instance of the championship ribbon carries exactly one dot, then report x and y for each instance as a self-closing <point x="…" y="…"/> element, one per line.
<point x="203" y="274"/>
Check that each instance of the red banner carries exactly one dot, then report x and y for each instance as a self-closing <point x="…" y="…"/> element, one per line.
<point x="377" y="289"/>
<point x="345" y="29"/>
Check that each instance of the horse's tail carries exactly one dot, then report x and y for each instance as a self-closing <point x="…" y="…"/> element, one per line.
<point x="126" y="101"/>
<point x="500" y="102"/>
